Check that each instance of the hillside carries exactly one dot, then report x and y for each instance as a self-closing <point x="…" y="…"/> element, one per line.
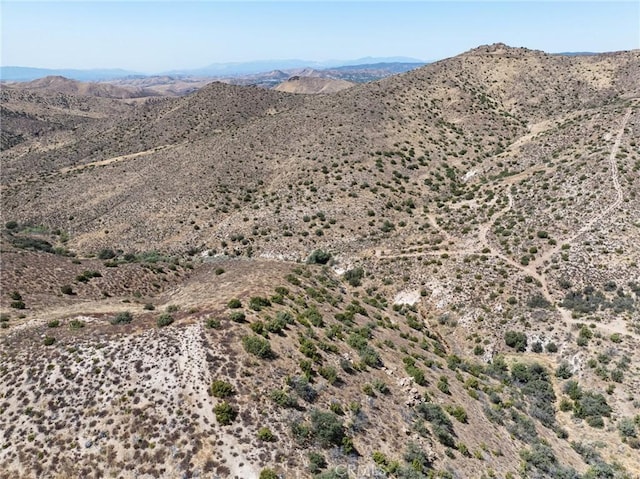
<point x="453" y="249"/>
<point x="312" y="85"/>
<point x="59" y="84"/>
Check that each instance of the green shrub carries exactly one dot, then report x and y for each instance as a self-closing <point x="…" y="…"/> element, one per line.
<point x="591" y="405"/>
<point x="66" y="289"/>
<point x="380" y="386"/>
<point x="225" y="414"/>
<point x="417" y="459"/>
<point x="165" y="319"/>
<point x="234" y="303"/>
<point x="122" y="318"/>
<point x="237" y="316"/>
<point x="282" y="399"/>
<point x="268" y="474"/>
<point x="48" y="340"/>
<point x="19" y="304"/>
<point x="317" y="462"/>
<point x="564" y="370"/>
<point x="442" y="425"/>
<point x="516" y="340"/>
<point x="326" y="428"/>
<point x="336" y="408"/>
<point x="221" y="389"/>
<point x="300" y="385"/>
<point x="257" y="346"/>
<point x="354" y="276"/>
<point x="457" y="412"/>
<point x="329" y="373"/>
<point x="319" y="257"/>
<point x="443" y="385"/>
<point x="149" y="307"/>
<point x="265" y="434"/>
<point x="15" y="296"/>
<point x="213" y="323"/>
<point x="76" y="324"/>
<point x="627" y="427"/>
<point x="256" y="303"/>
<point x="106" y="253"/>
<point x="276" y="325"/>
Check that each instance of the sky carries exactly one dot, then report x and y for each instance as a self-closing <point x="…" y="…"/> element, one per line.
<point x="157" y="36"/>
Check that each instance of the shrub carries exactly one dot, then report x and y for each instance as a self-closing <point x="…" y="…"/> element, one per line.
<point x="257" y="346"/>
<point x="627" y="427"/>
<point x="106" y="253"/>
<point x="443" y="385"/>
<point x="15" y="296"/>
<point x="458" y="412"/>
<point x="53" y="323"/>
<point x="265" y="434"/>
<point x="149" y="307"/>
<point x="18" y="304"/>
<point x="76" y="324"/>
<point x="415" y="372"/>
<point x="317" y="462"/>
<point x="234" y="303"/>
<point x="591" y="404"/>
<point x="354" y="276"/>
<point x="225" y="414"/>
<point x="66" y="289"/>
<point x="326" y="428"/>
<point x="237" y="316"/>
<point x="221" y="389"/>
<point x="277" y="324"/>
<point x="165" y="319"/>
<point x="268" y="474"/>
<point x="442" y="425"/>
<point x="329" y="373"/>
<point x="564" y="370"/>
<point x="380" y="386"/>
<point x="213" y="323"/>
<point x="312" y="315"/>
<point x="516" y="340"/>
<point x="122" y="318"/>
<point x="48" y="340"/>
<point x="336" y="408"/>
<point x="417" y="458"/>
<point x="257" y="303"/>
<point x="282" y="399"/>
<point x="303" y="389"/>
<point x="319" y="257"/>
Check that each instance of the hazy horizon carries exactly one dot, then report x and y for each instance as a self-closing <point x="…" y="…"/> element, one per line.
<point x="153" y="37"/>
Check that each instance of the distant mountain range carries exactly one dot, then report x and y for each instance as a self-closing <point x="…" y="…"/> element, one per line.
<point x="12" y="73"/>
<point x="18" y="73"/>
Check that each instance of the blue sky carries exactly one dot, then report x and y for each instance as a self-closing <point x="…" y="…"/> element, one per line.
<point x="151" y="36"/>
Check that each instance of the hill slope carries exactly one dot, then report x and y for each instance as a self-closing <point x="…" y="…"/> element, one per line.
<point x="477" y="220"/>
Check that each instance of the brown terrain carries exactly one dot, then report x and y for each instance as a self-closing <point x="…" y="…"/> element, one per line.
<point x="312" y="85"/>
<point x="431" y="275"/>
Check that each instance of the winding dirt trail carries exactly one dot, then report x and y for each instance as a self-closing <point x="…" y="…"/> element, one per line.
<point x="534" y="268"/>
<point x="546" y="256"/>
<point x="116" y="159"/>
